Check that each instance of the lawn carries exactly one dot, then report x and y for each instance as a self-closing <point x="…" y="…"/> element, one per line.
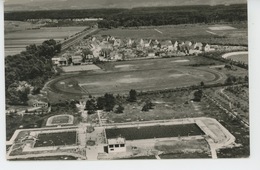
<point x="56" y="139"/>
<point x="158" y="131"/>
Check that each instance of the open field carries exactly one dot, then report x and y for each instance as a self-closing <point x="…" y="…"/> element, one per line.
<point x="241" y="56"/>
<point x="221" y="34"/>
<point x="17" y="41"/>
<point x="120" y="77"/>
<point x="149" y="132"/>
<point x="56" y="139"/>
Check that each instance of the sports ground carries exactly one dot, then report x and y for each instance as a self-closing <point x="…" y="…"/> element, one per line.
<point x="120" y="77"/>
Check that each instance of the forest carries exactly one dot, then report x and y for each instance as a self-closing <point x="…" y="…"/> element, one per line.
<point x="144" y="16"/>
<point x="33" y="66"/>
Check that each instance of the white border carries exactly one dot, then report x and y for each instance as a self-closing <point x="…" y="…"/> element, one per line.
<point x="251" y="163"/>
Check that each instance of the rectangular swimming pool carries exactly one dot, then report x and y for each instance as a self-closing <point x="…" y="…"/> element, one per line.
<point x="156" y="131"/>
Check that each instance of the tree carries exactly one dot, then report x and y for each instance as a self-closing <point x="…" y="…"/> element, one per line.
<point x="101" y="103"/>
<point x="90" y="106"/>
<point x="202" y="84"/>
<point x="110" y="102"/>
<point x="197" y="95"/>
<point x="120" y="109"/>
<point x="147" y="106"/>
<point x="132" y="95"/>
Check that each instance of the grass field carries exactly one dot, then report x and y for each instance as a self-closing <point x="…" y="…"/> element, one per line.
<point x="56" y="139"/>
<point x="120" y="77"/>
<point x="240" y="57"/>
<point x="17" y="41"/>
<point x="222" y="34"/>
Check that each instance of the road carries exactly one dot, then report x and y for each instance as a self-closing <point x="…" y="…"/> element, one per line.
<point x="74" y="40"/>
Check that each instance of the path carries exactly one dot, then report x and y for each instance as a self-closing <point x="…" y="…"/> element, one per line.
<point x="211" y="32"/>
<point x="158" y="31"/>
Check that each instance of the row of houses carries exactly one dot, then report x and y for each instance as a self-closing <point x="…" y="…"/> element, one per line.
<point x="111" y="48"/>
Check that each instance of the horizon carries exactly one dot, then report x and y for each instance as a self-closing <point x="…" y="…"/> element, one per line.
<point x="41" y="5"/>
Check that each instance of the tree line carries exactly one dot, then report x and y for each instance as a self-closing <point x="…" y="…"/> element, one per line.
<point x="144" y="16"/>
<point x="34" y="66"/>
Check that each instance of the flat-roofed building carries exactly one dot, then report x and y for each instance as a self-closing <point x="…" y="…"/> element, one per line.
<point x="116" y="145"/>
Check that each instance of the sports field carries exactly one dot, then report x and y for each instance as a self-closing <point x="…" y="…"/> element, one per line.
<point x="120" y="77"/>
<point x="159" y="131"/>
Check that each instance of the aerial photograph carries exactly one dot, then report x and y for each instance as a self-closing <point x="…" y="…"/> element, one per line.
<point x="126" y="79"/>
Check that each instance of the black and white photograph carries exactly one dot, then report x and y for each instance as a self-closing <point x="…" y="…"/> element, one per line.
<point x="126" y="80"/>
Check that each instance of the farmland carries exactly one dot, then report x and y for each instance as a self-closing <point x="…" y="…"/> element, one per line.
<point x="187" y="32"/>
<point x="15" y="42"/>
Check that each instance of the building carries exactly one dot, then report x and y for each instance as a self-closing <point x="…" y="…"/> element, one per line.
<point x="116" y="145"/>
<point x="76" y="60"/>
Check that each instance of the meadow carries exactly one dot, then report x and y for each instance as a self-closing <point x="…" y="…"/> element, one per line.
<point x="222" y="34"/>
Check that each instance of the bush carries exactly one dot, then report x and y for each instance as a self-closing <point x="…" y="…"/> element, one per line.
<point x="120" y="109"/>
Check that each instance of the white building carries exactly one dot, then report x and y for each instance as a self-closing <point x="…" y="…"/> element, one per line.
<point x="116" y="145"/>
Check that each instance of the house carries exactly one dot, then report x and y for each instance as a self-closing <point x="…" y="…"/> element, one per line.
<point x="117" y="43"/>
<point x="76" y="60"/>
<point x="116" y="145"/>
<point x="147" y="43"/>
<point x="115" y="55"/>
<point x="175" y="46"/>
<point x="59" y="61"/>
<point x="63" y="61"/>
<point x="129" y="43"/>
<point x="55" y="61"/>
<point x="141" y="43"/>
<point x="151" y="53"/>
<point x="167" y="45"/>
<point x="198" y="46"/>
<point x="207" y="48"/>
<point x="155" y="44"/>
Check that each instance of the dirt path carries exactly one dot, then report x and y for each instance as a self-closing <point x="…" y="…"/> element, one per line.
<point x="158" y="31"/>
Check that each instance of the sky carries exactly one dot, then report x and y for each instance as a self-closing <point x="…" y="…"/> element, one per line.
<point x="13" y="5"/>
